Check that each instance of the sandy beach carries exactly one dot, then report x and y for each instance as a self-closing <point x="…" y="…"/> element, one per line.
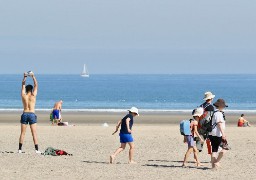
<point x="159" y="149"/>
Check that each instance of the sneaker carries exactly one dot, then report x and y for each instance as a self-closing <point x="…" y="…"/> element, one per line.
<point x="19" y="151"/>
<point x="38" y="152"/>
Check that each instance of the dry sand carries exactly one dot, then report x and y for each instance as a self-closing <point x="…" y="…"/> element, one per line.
<point x="159" y="150"/>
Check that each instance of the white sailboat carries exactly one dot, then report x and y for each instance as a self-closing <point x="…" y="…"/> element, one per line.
<point x="85" y="72"/>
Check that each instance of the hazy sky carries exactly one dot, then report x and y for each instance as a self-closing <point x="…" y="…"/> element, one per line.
<point x="128" y="36"/>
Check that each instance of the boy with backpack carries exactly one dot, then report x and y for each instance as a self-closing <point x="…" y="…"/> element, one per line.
<point x="189" y="130"/>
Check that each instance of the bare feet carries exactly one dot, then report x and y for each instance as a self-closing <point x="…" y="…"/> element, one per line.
<point x="217" y="165"/>
<point x="132" y="162"/>
<point x="198" y="164"/>
<point x="112" y="158"/>
<point x="184" y="165"/>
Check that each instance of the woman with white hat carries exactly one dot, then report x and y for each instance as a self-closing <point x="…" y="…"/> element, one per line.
<point x="208" y="112"/>
<point x="126" y="135"/>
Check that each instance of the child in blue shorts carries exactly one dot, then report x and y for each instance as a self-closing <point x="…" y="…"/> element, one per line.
<point x="126" y="135"/>
<point x="190" y="138"/>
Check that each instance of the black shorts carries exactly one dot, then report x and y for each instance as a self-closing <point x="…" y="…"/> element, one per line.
<point x="215" y="142"/>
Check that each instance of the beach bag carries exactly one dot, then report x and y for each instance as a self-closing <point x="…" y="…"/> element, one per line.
<point x="208" y="126"/>
<point x="185" y="128"/>
<point x="205" y="122"/>
<point x="205" y="126"/>
<point x="50" y="151"/>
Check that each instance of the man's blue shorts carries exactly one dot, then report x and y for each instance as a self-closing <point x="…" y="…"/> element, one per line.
<point x="28" y="118"/>
<point x="56" y="114"/>
<point x="125" y="138"/>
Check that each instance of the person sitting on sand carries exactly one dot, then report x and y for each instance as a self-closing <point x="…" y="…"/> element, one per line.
<point x="126" y="135"/>
<point x="217" y="136"/>
<point x="242" y="122"/>
<point x="28" y="117"/>
<point x="190" y="139"/>
<point x="56" y="113"/>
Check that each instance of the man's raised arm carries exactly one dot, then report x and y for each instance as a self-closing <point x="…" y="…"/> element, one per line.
<point x="23" y="88"/>
<point x="35" y="85"/>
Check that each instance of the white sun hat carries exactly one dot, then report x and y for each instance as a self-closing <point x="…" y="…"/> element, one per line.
<point x="198" y="112"/>
<point x="208" y="95"/>
<point x="134" y="110"/>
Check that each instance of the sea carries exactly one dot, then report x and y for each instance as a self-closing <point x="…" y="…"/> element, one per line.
<point x="181" y="92"/>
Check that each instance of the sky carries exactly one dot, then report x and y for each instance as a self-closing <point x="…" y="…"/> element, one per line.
<point x="128" y="36"/>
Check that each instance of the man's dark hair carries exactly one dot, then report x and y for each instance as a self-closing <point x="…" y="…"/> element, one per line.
<point x="29" y="88"/>
<point x="242" y="115"/>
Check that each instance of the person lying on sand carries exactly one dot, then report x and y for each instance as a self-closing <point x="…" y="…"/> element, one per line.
<point x="190" y="139"/>
<point x="126" y="135"/>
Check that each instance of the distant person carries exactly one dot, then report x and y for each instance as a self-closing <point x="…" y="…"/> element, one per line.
<point x="242" y="122"/>
<point x="208" y="112"/>
<point x="28" y="94"/>
<point x="190" y="139"/>
<point x="126" y="135"/>
<point x="218" y="135"/>
<point x="56" y="112"/>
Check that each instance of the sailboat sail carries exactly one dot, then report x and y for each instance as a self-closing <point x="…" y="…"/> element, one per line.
<point x="85" y="72"/>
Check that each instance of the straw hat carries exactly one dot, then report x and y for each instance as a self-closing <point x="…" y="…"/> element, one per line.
<point x="208" y="95"/>
<point x="134" y="110"/>
<point x="220" y="103"/>
<point x="198" y="112"/>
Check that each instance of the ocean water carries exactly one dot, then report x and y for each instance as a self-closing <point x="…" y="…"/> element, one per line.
<point x="148" y="92"/>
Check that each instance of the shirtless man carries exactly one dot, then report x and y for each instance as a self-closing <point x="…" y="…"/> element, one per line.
<point x="56" y="112"/>
<point x="28" y="117"/>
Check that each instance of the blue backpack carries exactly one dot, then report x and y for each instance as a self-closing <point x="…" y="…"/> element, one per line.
<point x="185" y="128"/>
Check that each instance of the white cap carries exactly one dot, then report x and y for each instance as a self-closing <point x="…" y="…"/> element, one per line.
<point x="198" y="112"/>
<point x="208" y="95"/>
<point x="134" y="110"/>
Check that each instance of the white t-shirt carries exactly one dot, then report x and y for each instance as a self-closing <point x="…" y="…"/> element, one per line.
<point x="217" y="118"/>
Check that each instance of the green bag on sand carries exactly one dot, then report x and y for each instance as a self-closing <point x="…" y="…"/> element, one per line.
<point x="50" y="152"/>
<point x="51" y="117"/>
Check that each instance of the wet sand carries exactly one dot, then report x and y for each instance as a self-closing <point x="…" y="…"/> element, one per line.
<point x="111" y="117"/>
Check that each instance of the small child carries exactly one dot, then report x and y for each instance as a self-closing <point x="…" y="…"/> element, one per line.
<point x="190" y="139"/>
<point x="126" y="135"/>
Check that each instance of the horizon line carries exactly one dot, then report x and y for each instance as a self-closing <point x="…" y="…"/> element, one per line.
<point x="137" y="74"/>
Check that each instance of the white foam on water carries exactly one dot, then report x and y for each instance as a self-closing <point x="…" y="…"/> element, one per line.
<point x="125" y="110"/>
